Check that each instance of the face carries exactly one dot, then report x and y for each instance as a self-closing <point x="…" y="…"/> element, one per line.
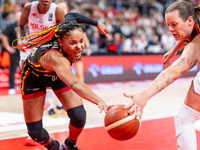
<point x="180" y="30"/>
<point x="73" y="45"/>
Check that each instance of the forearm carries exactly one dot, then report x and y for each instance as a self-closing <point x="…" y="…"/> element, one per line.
<point x="178" y="46"/>
<point x="85" y="92"/>
<point x="81" y="19"/>
<point x="164" y="79"/>
<point x="87" y="42"/>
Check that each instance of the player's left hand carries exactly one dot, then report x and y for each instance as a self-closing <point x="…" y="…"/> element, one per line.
<point x="102" y="29"/>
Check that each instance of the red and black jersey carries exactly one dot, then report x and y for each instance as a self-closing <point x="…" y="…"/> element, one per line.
<point x="33" y="58"/>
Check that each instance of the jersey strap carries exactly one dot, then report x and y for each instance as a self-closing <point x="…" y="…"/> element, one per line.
<point x="195" y="32"/>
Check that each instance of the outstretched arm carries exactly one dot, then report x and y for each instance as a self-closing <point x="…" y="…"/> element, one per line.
<point x="61" y="66"/>
<point x="189" y="58"/>
<point x="86" y="20"/>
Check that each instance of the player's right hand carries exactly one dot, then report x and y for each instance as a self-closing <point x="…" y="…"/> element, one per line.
<point x="103" y="106"/>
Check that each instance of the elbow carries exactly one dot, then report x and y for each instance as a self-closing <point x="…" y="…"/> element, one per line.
<point x="74" y="85"/>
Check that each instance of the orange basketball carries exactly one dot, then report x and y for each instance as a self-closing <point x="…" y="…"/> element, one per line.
<point x="119" y="124"/>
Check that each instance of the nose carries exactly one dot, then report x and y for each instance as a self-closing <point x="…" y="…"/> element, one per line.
<point x="78" y="46"/>
<point x="171" y="29"/>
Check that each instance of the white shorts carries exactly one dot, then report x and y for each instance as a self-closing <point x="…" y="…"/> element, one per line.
<point x="196" y="82"/>
<point x="24" y="55"/>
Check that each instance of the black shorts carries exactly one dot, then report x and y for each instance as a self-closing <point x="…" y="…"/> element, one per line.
<point x="34" y="83"/>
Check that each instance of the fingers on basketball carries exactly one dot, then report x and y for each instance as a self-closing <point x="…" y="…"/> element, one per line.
<point x="121" y="125"/>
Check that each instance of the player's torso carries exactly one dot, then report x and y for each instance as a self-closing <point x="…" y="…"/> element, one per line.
<point x="33" y="58"/>
<point x="38" y="22"/>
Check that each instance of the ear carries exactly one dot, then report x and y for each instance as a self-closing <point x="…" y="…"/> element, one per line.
<point x="190" y="20"/>
<point x="60" y="42"/>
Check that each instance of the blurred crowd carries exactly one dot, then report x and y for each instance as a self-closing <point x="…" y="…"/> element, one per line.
<point x="135" y="26"/>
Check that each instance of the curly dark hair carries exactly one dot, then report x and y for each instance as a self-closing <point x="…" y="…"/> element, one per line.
<point x="49" y="35"/>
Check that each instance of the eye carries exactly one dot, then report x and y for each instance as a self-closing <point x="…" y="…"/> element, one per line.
<point x="72" y="43"/>
<point x="173" y="24"/>
<point x="81" y="41"/>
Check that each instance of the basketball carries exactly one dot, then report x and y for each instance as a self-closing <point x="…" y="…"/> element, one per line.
<point x="119" y="124"/>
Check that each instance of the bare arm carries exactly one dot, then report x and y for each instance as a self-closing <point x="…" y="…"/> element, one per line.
<point x="178" y="46"/>
<point x="189" y="58"/>
<point x="60" y="15"/>
<point x="170" y="54"/>
<point x="61" y="65"/>
<point x="87" y="45"/>
<point x="23" y="21"/>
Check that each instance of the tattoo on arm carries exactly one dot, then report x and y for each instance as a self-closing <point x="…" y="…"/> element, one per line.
<point x="183" y="72"/>
<point x="167" y="82"/>
<point x="194" y="63"/>
<point x="156" y="86"/>
<point x="161" y="89"/>
<point x="181" y="61"/>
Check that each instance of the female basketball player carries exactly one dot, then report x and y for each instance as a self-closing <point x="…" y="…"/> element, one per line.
<point x="36" y="17"/>
<point x="183" y="21"/>
<point x="50" y="66"/>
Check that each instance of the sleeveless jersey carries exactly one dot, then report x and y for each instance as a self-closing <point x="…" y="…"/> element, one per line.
<point x="38" y="22"/>
<point x="33" y="59"/>
<point x="35" y="78"/>
<point x="195" y="32"/>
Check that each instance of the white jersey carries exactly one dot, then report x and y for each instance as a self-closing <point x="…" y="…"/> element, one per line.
<point x="38" y="22"/>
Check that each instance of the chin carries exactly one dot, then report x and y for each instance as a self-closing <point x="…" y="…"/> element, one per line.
<point x="77" y="57"/>
<point x="179" y="39"/>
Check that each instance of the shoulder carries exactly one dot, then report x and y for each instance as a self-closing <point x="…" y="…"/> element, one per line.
<point x="59" y="10"/>
<point x="26" y="9"/>
<point x="27" y="6"/>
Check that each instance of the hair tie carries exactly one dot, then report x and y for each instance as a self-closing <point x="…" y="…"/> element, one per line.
<point x="56" y="35"/>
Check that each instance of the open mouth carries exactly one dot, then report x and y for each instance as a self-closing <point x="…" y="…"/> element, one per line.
<point x="175" y="35"/>
<point x="78" y="53"/>
<point x="46" y="3"/>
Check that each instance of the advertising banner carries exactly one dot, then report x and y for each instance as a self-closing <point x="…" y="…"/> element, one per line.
<point x="112" y="69"/>
<point x="125" y="68"/>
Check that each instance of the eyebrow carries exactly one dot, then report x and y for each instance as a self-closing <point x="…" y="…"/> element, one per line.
<point x="75" y="40"/>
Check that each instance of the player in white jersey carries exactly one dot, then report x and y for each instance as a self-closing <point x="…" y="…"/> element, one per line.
<point x="38" y="22"/>
<point x="36" y="17"/>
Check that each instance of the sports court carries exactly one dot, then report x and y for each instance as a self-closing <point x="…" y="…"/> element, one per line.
<point x="157" y="130"/>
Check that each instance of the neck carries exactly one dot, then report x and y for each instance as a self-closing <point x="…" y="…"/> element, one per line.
<point x="43" y="9"/>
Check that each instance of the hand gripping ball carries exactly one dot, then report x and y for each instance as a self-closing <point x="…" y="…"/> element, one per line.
<point x="119" y="124"/>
